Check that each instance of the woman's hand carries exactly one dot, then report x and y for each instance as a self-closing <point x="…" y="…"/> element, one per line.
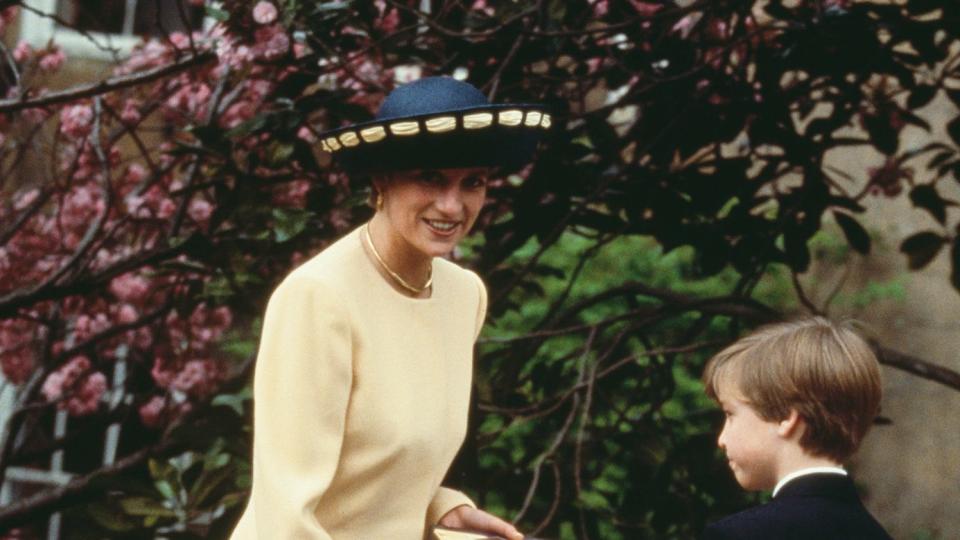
<point x="467" y="517"/>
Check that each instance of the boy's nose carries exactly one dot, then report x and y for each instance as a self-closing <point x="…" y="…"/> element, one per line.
<point x="721" y="440"/>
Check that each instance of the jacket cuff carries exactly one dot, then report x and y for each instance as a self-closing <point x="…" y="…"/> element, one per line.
<point x="445" y="500"/>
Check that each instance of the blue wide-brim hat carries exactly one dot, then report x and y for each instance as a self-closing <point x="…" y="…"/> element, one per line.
<point x="439" y="123"/>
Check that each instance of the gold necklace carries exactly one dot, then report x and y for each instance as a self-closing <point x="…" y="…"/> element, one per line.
<point x="394" y="275"/>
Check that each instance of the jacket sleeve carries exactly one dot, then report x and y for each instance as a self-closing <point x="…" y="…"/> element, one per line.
<point x="445" y="500"/>
<point x="301" y="389"/>
<point x="481" y="305"/>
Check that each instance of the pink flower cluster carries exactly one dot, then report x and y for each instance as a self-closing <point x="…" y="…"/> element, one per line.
<point x="136" y="198"/>
<point x="264" y="13"/>
<point x="75" y="387"/>
<point x="76" y="121"/>
<point x="7" y="16"/>
<point x="16" y="354"/>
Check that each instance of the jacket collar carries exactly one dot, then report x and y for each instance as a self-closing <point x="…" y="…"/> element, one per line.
<point x="827" y="485"/>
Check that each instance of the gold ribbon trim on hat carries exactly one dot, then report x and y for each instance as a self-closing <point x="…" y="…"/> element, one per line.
<point x="349" y="138"/>
<point x="373" y="134"/>
<point x="441" y="124"/>
<point x="510" y="118"/>
<point x="477" y="120"/>
<point x="404" y="129"/>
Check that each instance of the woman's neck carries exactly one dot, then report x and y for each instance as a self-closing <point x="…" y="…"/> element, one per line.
<point x="412" y="266"/>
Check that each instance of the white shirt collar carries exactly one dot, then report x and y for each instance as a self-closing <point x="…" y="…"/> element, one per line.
<point x="803" y="472"/>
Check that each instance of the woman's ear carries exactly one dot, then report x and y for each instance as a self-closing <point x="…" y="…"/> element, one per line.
<point x="791" y="426"/>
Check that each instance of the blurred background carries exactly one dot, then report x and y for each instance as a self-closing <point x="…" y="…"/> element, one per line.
<point x="711" y="166"/>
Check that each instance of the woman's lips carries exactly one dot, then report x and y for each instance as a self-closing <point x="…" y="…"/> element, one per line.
<point x="442" y="227"/>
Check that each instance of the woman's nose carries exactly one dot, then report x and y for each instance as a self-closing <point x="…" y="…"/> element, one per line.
<point x="450" y="199"/>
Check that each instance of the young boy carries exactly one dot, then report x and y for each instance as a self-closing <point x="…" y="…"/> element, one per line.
<point x="798" y="398"/>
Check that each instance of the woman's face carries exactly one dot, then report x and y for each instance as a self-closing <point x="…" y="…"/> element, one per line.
<point x="432" y="210"/>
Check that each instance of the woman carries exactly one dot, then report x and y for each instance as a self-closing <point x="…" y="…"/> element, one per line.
<point x="362" y="381"/>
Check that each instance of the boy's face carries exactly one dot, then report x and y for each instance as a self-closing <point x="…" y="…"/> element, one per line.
<point x="750" y="442"/>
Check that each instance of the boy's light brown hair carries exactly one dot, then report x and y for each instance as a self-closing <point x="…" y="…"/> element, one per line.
<point x="822" y="369"/>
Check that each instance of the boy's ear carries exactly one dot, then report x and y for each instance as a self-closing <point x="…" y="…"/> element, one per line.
<point x="791" y="425"/>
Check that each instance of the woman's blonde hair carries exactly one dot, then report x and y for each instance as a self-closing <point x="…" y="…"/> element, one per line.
<point x="824" y="370"/>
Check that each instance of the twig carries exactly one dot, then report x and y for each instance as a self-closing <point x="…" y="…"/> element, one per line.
<point x="107" y="85"/>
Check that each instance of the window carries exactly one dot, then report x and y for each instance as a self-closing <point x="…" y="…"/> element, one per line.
<point x="105" y="29"/>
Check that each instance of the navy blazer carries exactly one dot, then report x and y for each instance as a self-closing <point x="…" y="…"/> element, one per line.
<point x="820" y="506"/>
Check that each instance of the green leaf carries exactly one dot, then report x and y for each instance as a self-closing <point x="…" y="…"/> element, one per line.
<point x="955" y="263"/>
<point x="111" y="516"/>
<point x="925" y="196"/>
<point x="594" y="500"/>
<point x="145" y="506"/>
<point x="216" y="13"/>
<point x="882" y="135"/>
<point x="922" y="247"/>
<point x="953" y="128"/>
<point x="289" y="223"/>
<point x="921" y="96"/>
<point x="856" y="235"/>
<point x="234" y="401"/>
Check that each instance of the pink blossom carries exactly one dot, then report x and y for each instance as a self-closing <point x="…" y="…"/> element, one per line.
<point x="25" y="199"/>
<point x="76" y="121"/>
<point x="646" y="9"/>
<point x="85" y="326"/>
<point x="180" y="40"/>
<point x="686" y="24"/>
<point x="78" y="398"/>
<point x="130" y="287"/>
<point x="200" y="210"/>
<point x="305" y="134"/>
<point x="482" y="6"/>
<point x="292" y="194"/>
<point x="87" y="398"/>
<point x="264" y="13"/>
<point x="131" y="112"/>
<point x="191" y="100"/>
<point x="163" y="371"/>
<point x="127" y="314"/>
<point x="237" y="113"/>
<point x="151" y="412"/>
<point x="135" y="173"/>
<point x="7" y="15"/>
<point x="198" y="378"/>
<point x="17" y="365"/>
<point x="53" y="59"/>
<point x="272" y="42"/>
<point x="34" y="115"/>
<point x="389" y="22"/>
<point x="600" y="7"/>
<point x="22" y="52"/>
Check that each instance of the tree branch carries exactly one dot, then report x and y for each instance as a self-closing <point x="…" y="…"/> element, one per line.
<point x="108" y="85"/>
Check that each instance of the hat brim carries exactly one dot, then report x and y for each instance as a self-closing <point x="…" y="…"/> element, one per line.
<point x="501" y="135"/>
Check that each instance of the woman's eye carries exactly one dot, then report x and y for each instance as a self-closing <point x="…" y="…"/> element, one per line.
<point x="475" y="182"/>
<point x="432" y="179"/>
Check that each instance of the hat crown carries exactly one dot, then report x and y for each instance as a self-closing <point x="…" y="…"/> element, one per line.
<point x="430" y="95"/>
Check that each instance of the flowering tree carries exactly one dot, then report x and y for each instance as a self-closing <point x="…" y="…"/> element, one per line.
<point x="146" y="217"/>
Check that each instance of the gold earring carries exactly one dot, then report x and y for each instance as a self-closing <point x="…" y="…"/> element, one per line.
<point x="379" y="201"/>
